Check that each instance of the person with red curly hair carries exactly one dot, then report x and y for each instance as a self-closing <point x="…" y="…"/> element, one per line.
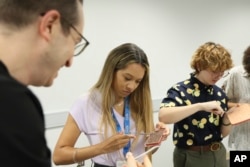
<point x="196" y="107"/>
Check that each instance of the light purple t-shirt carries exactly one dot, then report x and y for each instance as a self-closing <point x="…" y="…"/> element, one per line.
<point x="87" y="113"/>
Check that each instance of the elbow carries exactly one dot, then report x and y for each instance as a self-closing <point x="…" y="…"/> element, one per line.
<point x="165" y="116"/>
<point x="162" y="116"/>
<point x="225" y="133"/>
<point x="164" y="120"/>
<point x="62" y="157"/>
<point x="57" y="159"/>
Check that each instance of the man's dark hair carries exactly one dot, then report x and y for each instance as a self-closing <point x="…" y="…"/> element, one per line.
<point x="246" y="60"/>
<point x="20" y="13"/>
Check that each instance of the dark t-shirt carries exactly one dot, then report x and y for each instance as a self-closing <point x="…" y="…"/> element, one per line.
<point x="22" y="128"/>
<point x="201" y="128"/>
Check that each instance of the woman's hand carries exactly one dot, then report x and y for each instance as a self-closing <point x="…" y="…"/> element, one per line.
<point x="166" y="132"/>
<point x="131" y="162"/>
<point x="115" y="142"/>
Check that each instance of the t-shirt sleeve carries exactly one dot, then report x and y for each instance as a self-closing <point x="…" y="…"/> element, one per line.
<point x="229" y="87"/>
<point x="172" y="98"/>
<point x="77" y="112"/>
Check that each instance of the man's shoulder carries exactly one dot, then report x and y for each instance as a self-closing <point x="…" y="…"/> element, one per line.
<point x="13" y="91"/>
<point x="8" y="84"/>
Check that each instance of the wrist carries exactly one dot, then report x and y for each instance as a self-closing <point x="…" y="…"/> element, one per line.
<point x="80" y="163"/>
<point x="225" y="124"/>
<point x="225" y="121"/>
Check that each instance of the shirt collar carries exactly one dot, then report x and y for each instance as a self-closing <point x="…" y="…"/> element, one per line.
<point x="202" y="86"/>
<point x="3" y="68"/>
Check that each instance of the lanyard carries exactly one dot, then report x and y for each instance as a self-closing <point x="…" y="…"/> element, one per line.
<point x="126" y="123"/>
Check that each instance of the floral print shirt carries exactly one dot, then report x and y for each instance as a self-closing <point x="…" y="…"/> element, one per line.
<point x="201" y="128"/>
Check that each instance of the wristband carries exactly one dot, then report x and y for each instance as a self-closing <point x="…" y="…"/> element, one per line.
<point x="226" y="124"/>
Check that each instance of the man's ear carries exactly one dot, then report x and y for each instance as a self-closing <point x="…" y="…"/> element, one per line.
<point x="48" y="22"/>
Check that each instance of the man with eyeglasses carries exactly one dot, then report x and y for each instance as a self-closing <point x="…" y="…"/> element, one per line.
<point x="37" y="38"/>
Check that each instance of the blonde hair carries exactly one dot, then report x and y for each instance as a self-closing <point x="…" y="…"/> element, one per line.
<point x="140" y="100"/>
<point x="211" y="56"/>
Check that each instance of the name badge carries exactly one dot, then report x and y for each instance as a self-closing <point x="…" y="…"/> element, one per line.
<point x="121" y="164"/>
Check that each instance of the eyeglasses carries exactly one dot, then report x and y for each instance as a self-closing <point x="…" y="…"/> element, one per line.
<point x="217" y="73"/>
<point x="81" y="46"/>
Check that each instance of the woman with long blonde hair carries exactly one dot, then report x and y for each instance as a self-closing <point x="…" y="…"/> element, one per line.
<point x="115" y="114"/>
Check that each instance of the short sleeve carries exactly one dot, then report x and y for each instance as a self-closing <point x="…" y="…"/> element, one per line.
<point x="172" y="98"/>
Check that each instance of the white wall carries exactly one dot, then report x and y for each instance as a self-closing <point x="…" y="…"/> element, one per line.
<point x="168" y="30"/>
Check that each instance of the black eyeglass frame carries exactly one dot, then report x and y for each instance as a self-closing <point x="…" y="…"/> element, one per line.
<point x="83" y="38"/>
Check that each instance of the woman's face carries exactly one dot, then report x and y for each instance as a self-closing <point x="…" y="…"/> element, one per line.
<point x="209" y="77"/>
<point x="128" y="79"/>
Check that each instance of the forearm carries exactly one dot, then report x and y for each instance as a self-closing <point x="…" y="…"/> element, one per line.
<point x="225" y="126"/>
<point x="69" y="155"/>
<point x="89" y="152"/>
<point x="231" y="104"/>
<point x="171" y="115"/>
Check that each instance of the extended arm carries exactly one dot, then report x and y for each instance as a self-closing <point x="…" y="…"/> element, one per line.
<point x="65" y="153"/>
<point x="171" y="115"/>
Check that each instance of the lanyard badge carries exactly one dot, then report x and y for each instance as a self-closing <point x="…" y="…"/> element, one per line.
<point x="126" y="123"/>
